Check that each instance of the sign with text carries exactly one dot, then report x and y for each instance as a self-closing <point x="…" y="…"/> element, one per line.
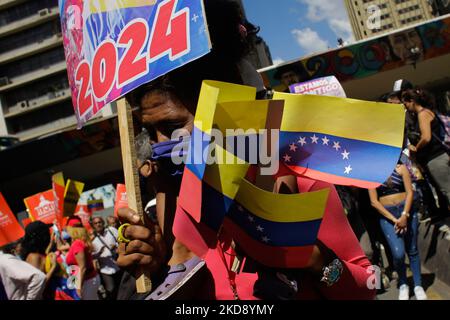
<point x="121" y="198"/>
<point x="42" y="207"/>
<point x="327" y="86"/>
<point x="113" y="47"/>
<point x="10" y="229"/>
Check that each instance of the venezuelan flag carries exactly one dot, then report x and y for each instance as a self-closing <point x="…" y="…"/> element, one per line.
<point x="217" y="194"/>
<point x="341" y="141"/>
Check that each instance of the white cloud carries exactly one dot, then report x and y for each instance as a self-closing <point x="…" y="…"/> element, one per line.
<point x="309" y="40"/>
<point x="277" y="61"/>
<point x="333" y="12"/>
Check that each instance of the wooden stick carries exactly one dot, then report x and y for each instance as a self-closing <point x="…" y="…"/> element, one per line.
<point x="129" y="159"/>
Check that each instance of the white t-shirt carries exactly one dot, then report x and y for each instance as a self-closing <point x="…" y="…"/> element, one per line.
<point x="105" y="258"/>
<point x="20" y="279"/>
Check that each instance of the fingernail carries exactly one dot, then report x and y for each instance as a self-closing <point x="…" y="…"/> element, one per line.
<point x="136" y="218"/>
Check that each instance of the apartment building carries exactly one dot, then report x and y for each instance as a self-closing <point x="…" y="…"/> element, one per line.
<point x="371" y="18"/>
<point x="35" y="98"/>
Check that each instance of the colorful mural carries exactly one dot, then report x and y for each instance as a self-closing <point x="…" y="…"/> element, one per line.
<point x="366" y="58"/>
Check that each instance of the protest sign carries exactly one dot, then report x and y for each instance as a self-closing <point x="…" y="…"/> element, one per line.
<point x="84" y="214"/>
<point x="113" y="47"/>
<point x="72" y="194"/>
<point x="327" y="86"/>
<point x="10" y="229"/>
<point x="58" y="186"/>
<point x="42" y="207"/>
<point x="121" y="198"/>
<point x="104" y="193"/>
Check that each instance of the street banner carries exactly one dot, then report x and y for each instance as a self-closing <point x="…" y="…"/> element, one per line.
<point x="84" y="214"/>
<point x="42" y="207"/>
<point x="10" y="229"/>
<point x="104" y="193"/>
<point x="72" y="194"/>
<point x="327" y="86"/>
<point x="113" y="47"/>
<point x="121" y="198"/>
<point x="58" y="187"/>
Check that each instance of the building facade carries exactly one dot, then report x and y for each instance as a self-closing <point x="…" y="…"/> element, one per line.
<point x="35" y="97"/>
<point x="371" y="18"/>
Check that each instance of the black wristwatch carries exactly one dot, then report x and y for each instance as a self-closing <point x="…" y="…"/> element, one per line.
<point x="332" y="272"/>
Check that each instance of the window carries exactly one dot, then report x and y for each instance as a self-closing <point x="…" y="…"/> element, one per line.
<point x="24" y="10"/>
<point x="29" y="36"/>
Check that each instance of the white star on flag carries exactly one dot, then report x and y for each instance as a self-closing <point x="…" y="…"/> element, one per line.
<point x="325" y="141"/>
<point x="345" y="155"/>
<point x="348" y="169"/>
<point x="265" y="239"/>
<point x="195" y="17"/>
<point x="293" y="147"/>
<point x="314" y="139"/>
<point x="287" y="158"/>
<point x="302" y="141"/>
<point x="336" y="146"/>
<point x="240" y="209"/>
<point x="260" y="229"/>
<point x="251" y="219"/>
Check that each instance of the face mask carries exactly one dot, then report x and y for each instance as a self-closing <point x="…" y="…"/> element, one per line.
<point x="164" y="151"/>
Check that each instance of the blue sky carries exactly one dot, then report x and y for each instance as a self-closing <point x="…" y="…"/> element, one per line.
<point x="295" y="28"/>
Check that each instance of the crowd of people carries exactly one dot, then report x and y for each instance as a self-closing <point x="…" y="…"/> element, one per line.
<point x="106" y="262"/>
<point x="73" y="264"/>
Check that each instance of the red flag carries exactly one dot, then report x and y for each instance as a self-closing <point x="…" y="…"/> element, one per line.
<point x="10" y="229"/>
<point x="42" y="207"/>
<point x="121" y="198"/>
<point x="58" y="187"/>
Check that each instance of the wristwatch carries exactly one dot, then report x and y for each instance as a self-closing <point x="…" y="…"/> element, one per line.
<point x="332" y="272"/>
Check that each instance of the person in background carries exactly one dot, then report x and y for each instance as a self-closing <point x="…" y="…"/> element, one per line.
<point x="35" y="251"/>
<point x="113" y="222"/>
<point x="104" y="248"/>
<point x="19" y="280"/>
<point x="428" y="150"/>
<point x="80" y="255"/>
<point x="400" y="224"/>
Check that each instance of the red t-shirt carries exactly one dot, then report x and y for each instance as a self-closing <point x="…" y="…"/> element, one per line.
<point x="77" y="247"/>
<point x="335" y="233"/>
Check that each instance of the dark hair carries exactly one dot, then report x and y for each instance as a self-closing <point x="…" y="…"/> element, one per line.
<point x="229" y="45"/>
<point x="390" y="95"/>
<point x="420" y="97"/>
<point x="10" y="247"/>
<point x="36" y="239"/>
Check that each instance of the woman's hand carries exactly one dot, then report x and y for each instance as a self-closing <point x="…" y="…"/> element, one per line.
<point x="412" y="148"/>
<point x="401" y="225"/>
<point x="146" y="248"/>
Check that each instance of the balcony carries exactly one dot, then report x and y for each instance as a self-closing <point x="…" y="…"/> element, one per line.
<point x="40" y="17"/>
<point x="9" y="3"/>
<point x="21" y="80"/>
<point x="60" y="124"/>
<point x="31" y="49"/>
<point x="27" y="106"/>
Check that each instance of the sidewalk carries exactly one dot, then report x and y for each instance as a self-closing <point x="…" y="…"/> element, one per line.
<point x="435" y="289"/>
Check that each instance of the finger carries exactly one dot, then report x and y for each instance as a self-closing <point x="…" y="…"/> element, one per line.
<point x="137" y="246"/>
<point x="132" y="260"/>
<point x="134" y="232"/>
<point x="126" y="215"/>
